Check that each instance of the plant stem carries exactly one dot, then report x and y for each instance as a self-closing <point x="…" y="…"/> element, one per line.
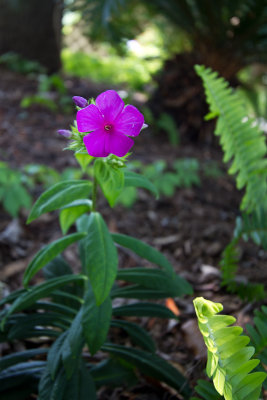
<point x="94" y="194"/>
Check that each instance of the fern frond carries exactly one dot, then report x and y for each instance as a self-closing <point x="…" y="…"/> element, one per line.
<point x="253" y="226"/>
<point x="229" y="266"/>
<point x="242" y="141"/>
<point x="258" y="334"/>
<point x="229" y="358"/>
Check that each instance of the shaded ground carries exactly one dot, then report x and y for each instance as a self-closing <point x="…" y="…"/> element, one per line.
<point x="192" y="228"/>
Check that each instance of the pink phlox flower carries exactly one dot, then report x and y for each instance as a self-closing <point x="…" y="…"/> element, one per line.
<point x="109" y="124"/>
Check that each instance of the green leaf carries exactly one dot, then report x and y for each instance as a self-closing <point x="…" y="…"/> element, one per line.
<point x="95" y="320"/>
<point x="144" y="310"/>
<point x="113" y="373"/>
<point x="18" y="374"/>
<point x="48" y="253"/>
<point x="138" y="334"/>
<point x="155" y="279"/>
<point x="98" y="254"/>
<point x="143" y="250"/>
<point x="67" y="349"/>
<point x="72" y="346"/>
<point x="57" y="267"/>
<point x="140" y="292"/>
<point x="59" y="195"/>
<point x="23" y="326"/>
<point x="71" y="212"/>
<point x="45" y="289"/>
<point x="81" y="385"/>
<point x="12" y="297"/>
<point x="12" y="359"/>
<point x="15" y="197"/>
<point x="133" y="179"/>
<point x="52" y="389"/>
<point x="110" y="179"/>
<point x="55" y="354"/>
<point x="151" y="365"/>
<point x="84" y="159"/>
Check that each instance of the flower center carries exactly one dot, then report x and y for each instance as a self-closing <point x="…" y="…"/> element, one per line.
<point x="108" y="127"/>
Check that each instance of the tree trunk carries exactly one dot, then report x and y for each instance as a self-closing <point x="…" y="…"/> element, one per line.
<point x="32" y="28"/>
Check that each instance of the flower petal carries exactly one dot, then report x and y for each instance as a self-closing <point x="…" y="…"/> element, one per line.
<point x="110" y="105"/>
<point x="130" y="121"/>
<point x="89" y="119"/>
<point x="118" y="144"/>
<point x="95" y="143"/>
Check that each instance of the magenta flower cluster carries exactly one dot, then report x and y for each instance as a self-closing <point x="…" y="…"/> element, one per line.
<point x="109" y="124"/>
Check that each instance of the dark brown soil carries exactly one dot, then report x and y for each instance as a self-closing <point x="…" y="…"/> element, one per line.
<point x="191" y="228"/>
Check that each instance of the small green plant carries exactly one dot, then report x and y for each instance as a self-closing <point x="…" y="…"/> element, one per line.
<point x="184" y="174"/>
<point x="164" y="123"/>
<point x="14" y="193"/>
<point x="230" y="359"/>
<point x="17" y="63"/>
<point x="46" y="86"/>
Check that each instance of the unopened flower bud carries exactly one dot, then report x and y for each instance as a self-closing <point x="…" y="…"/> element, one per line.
<point x="80" y="101"/>
<point x="64" y="132"/>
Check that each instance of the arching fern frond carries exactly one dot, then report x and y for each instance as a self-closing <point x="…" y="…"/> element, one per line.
<point x="229" y="265"/>
<point x="229" y="358"/>
<point x="242" y="141"/>
<point x="248" y="226"/>
<point x="258" y="334"/>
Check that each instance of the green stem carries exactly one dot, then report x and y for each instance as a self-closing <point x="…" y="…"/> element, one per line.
<point x="94" y="194"/>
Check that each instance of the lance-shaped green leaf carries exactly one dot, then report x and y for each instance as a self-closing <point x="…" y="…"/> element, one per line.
<point x="81" y="386"/>
<point x="138" y="334"/>
<point x="72" y="346"/>
<point x="229" y="358"/>
<point x="67" y="349"/>
<point x="110" y="179"/>
<point x="151" y="365"/>
<point x="45" y="289"/>
<point x="12" y="359"/>
<point x="98" y="254"/>
<point x="30" y="297"/>
<point x="52" y="389"/>
<point x="48" y="253"/>
<point x="58" y="196"/>
<point x="111" y="372"/>
<point x="143" y="250"/>
<point x="133" y="179"/>
<point x="144" y="309"/>
<point x="156" y="279"/>
<point x="25" y="372"/>
<point x="140" y="292"/>
<point x="71" y="212"/>
<point x="95" y="320"/>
